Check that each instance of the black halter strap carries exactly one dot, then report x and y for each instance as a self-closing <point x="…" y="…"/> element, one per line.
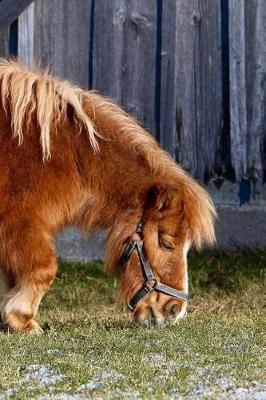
<point x="151" y="282"/>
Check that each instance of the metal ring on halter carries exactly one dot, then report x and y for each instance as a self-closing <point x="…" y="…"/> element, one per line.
<point x="151" y="283"/>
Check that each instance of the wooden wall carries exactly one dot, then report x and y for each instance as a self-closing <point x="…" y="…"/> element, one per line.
<point x="193" y="72"/>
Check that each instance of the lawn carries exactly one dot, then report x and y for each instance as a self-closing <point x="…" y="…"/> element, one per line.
<point x="91" y="349"/>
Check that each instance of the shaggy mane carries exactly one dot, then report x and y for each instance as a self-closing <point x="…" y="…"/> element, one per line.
<point x="24" y="93"/>
<point x="199" y="210"/>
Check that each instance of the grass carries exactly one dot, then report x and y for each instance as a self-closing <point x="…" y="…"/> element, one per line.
<point x="91" y="349"/>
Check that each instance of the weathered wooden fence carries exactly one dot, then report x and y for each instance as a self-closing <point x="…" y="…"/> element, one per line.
<point x="192" y="71"/>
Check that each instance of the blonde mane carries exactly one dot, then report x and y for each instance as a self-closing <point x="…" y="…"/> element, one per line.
<point x="24" y="93"/>
<point x="199" y="210"/>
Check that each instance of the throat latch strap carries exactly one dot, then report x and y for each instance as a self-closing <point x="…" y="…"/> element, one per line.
<point x="130" y="247"/>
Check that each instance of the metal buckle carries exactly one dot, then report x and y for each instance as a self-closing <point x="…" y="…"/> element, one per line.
<point x="148" y="287"/>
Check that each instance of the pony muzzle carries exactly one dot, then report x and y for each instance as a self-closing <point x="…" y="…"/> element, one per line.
<point x="152" y="284"/>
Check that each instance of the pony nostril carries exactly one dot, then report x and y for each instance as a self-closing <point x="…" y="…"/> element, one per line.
<point x="172" y="309"/>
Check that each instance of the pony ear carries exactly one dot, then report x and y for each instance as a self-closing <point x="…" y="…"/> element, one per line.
<point x="159" y="197"/>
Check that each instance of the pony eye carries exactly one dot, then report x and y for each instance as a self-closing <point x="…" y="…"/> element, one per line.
<point x="166" y="245"/>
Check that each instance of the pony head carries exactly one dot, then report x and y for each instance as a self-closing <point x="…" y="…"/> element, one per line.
<point x="154" y="276"/>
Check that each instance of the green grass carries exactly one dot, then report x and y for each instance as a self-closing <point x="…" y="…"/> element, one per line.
<point x="91" y="349"/>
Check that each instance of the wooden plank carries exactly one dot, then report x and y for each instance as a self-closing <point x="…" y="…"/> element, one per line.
<point x="124" y="55"/>
<point x="108" y="44"/>
<point x="238" y="99"/>
<point x="4" y="39"/>
<point x="168" y="95"/>
<point x="62" y="37"/>
<point x="139" y="61"/>
<point x="255" y="54"/>
<point x="26" y="36"/>
<point x="191" y="40"/>
<point x="10" y="10"/>
<point x="247" y="34"/>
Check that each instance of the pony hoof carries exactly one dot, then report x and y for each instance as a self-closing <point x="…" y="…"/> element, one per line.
<point x="4" y="328"/>
<point x="18" y="324"/>
<point x="33" y="327"/>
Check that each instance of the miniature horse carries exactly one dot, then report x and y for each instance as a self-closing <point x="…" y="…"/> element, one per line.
<point x="72" y="157"/>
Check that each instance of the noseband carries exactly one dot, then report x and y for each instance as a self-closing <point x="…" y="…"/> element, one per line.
<point x="151" y="282"/>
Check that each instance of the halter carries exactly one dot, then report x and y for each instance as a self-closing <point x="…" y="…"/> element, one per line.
<point x="151" y="282"/>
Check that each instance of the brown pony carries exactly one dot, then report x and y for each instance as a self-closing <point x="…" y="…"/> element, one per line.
<point x="70" y="156"/>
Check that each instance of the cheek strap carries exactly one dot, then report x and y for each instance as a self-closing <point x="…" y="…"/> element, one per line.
<point x="151" y="282"/>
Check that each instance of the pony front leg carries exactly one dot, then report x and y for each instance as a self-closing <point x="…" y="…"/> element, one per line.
<point x="4" y="287"/>
<point x="20" y="304"/>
